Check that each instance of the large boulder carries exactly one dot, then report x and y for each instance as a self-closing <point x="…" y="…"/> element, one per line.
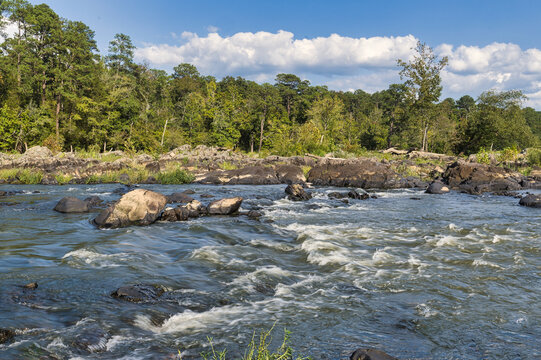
<point x="250" y="175"/>
<point x="226" y="206"/>
<point x="38" y="152"/>
<point x="295" y="192"/>
<point x="437" y="187"/>
<point x="477" y="178"/>
<point x="71" y="204"/>
<point x="531" y="200"/>
<point x="370" y="354"/>
<point x="138" y="207"/>
<point x="359" y="173"/>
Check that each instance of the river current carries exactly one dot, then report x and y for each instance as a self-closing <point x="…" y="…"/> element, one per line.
<point x="419" y="276"/>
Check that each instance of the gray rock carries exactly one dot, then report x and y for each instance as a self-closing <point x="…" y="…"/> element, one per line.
<point x="38" y="152"/>
<point x="437" y="187"/>
<point x="370" y="354"/>
<point x="93" y="201"/>
<point x="71" y="204"/>
<point x="138" y="293"/>
<point x="531" y="200"/>
<point x="296" y="192"/>
<point x="179" y="197"/>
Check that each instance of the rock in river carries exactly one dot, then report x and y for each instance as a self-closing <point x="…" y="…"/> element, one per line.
<point x="531" y="201"/>
<point x="138" y="207"/>
<point x="370" y="354"/>
<point x="6" y="335"/>
<point x="226" y="206"/>
<point x="296" y="192"/>
<point x="437" y="187"/>
<point x="71" y="204"/>
<point x="138" y="293"/>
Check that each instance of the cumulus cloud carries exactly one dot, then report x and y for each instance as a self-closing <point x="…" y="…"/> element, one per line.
<point x="346" y="63"/>
<point x="254" y="53"/>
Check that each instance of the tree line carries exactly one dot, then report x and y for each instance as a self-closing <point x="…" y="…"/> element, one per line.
<point x="56" y="90"/>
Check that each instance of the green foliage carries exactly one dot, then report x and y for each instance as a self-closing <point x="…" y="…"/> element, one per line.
<point x="508" y="154"/>
<point x="259" y="349"/>
<point x="483" y="156"/>
<point x="62" y="179"/>
<point x="226" y="165"/>
<point x="534" y="156"/>
<point x="175" y="176"/>
<point x="22" y="176"/>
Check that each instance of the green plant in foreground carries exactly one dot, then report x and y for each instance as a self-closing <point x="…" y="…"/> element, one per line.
<point x="258" y="350"/>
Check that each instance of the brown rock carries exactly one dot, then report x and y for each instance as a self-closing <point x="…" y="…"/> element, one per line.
<point x="226" y="206"/>
<point x="71" y="204"/>
<point x="138" y="207"/>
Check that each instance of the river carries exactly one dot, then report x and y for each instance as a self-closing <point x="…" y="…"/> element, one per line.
<point x="449" y="276"/>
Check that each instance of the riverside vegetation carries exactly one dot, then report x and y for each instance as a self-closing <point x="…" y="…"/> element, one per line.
<point x="56" y="90"/>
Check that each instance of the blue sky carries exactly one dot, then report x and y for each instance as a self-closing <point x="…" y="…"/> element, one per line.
<point x="491" y="44"/>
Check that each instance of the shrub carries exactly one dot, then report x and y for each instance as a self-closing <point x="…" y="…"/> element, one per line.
<point x="508" y="154"/>
<point x="534" y="156"/>
<point x="483" y="156"/>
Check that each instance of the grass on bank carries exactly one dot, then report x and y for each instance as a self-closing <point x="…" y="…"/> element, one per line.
<point x="22" y="176"/>
<point x="258" y="349"/>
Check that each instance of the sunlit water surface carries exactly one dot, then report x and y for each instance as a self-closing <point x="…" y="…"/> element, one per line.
<point x="440" y="277"/>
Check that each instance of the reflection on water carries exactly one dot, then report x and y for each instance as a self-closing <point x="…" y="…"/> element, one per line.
<point x="450" y="276"/>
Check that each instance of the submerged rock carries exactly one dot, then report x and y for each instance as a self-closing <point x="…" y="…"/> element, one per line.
<point x="31" y="286"/>
<point x="71" y="204"/>
<point x="138" y="207"/>
<point x="437" y="187"/>
<point x="531" y="201"/>
<point x="226" y="206"/>
<point x="6" y="335"/>
<point x="370" y="354"/>
<point x="93" y="201"/>
<point x="138" y="293"/>
<point x="353" y="194"/>
<point x="296" y="192"/>
<point x="254" y="214"/>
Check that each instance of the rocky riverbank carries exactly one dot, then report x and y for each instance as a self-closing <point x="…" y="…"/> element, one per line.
<point x="388" y="170"/>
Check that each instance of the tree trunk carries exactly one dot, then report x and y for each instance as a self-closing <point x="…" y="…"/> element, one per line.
<point x="425" y="141"/>
<point x="261" y="128"/>
<point x="57" y="119"/>
<point x="163" y="133"/>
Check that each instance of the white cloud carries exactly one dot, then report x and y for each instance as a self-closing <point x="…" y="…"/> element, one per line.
<point x="253" y="53"/>
<point x="346" y="63"/>
<point x="8" y="31"/>
<point x="212" y="29"/>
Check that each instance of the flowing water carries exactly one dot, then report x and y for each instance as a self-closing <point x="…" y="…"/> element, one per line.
<point x="438" y="277"/>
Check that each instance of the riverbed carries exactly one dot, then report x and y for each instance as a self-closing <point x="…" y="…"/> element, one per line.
<point x="416" y="275"/>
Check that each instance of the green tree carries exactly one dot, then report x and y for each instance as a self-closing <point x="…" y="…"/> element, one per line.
<point x="423" y="80"/>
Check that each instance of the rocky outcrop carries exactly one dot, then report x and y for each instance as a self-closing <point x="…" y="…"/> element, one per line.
<point x="477" y="178"/>
<point x="361" y="173"/>
<point x="370" y="354"/>
<point x="38" y="152"/>
<point x="437" y="187"/>
<point x="71" y="204"/>
<point x="296" y="192"/>
<point x="226" y="206"/>
<point x="531" y="200"/>
<point x="138" y="207"/>
<point x="250" y="175"/>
